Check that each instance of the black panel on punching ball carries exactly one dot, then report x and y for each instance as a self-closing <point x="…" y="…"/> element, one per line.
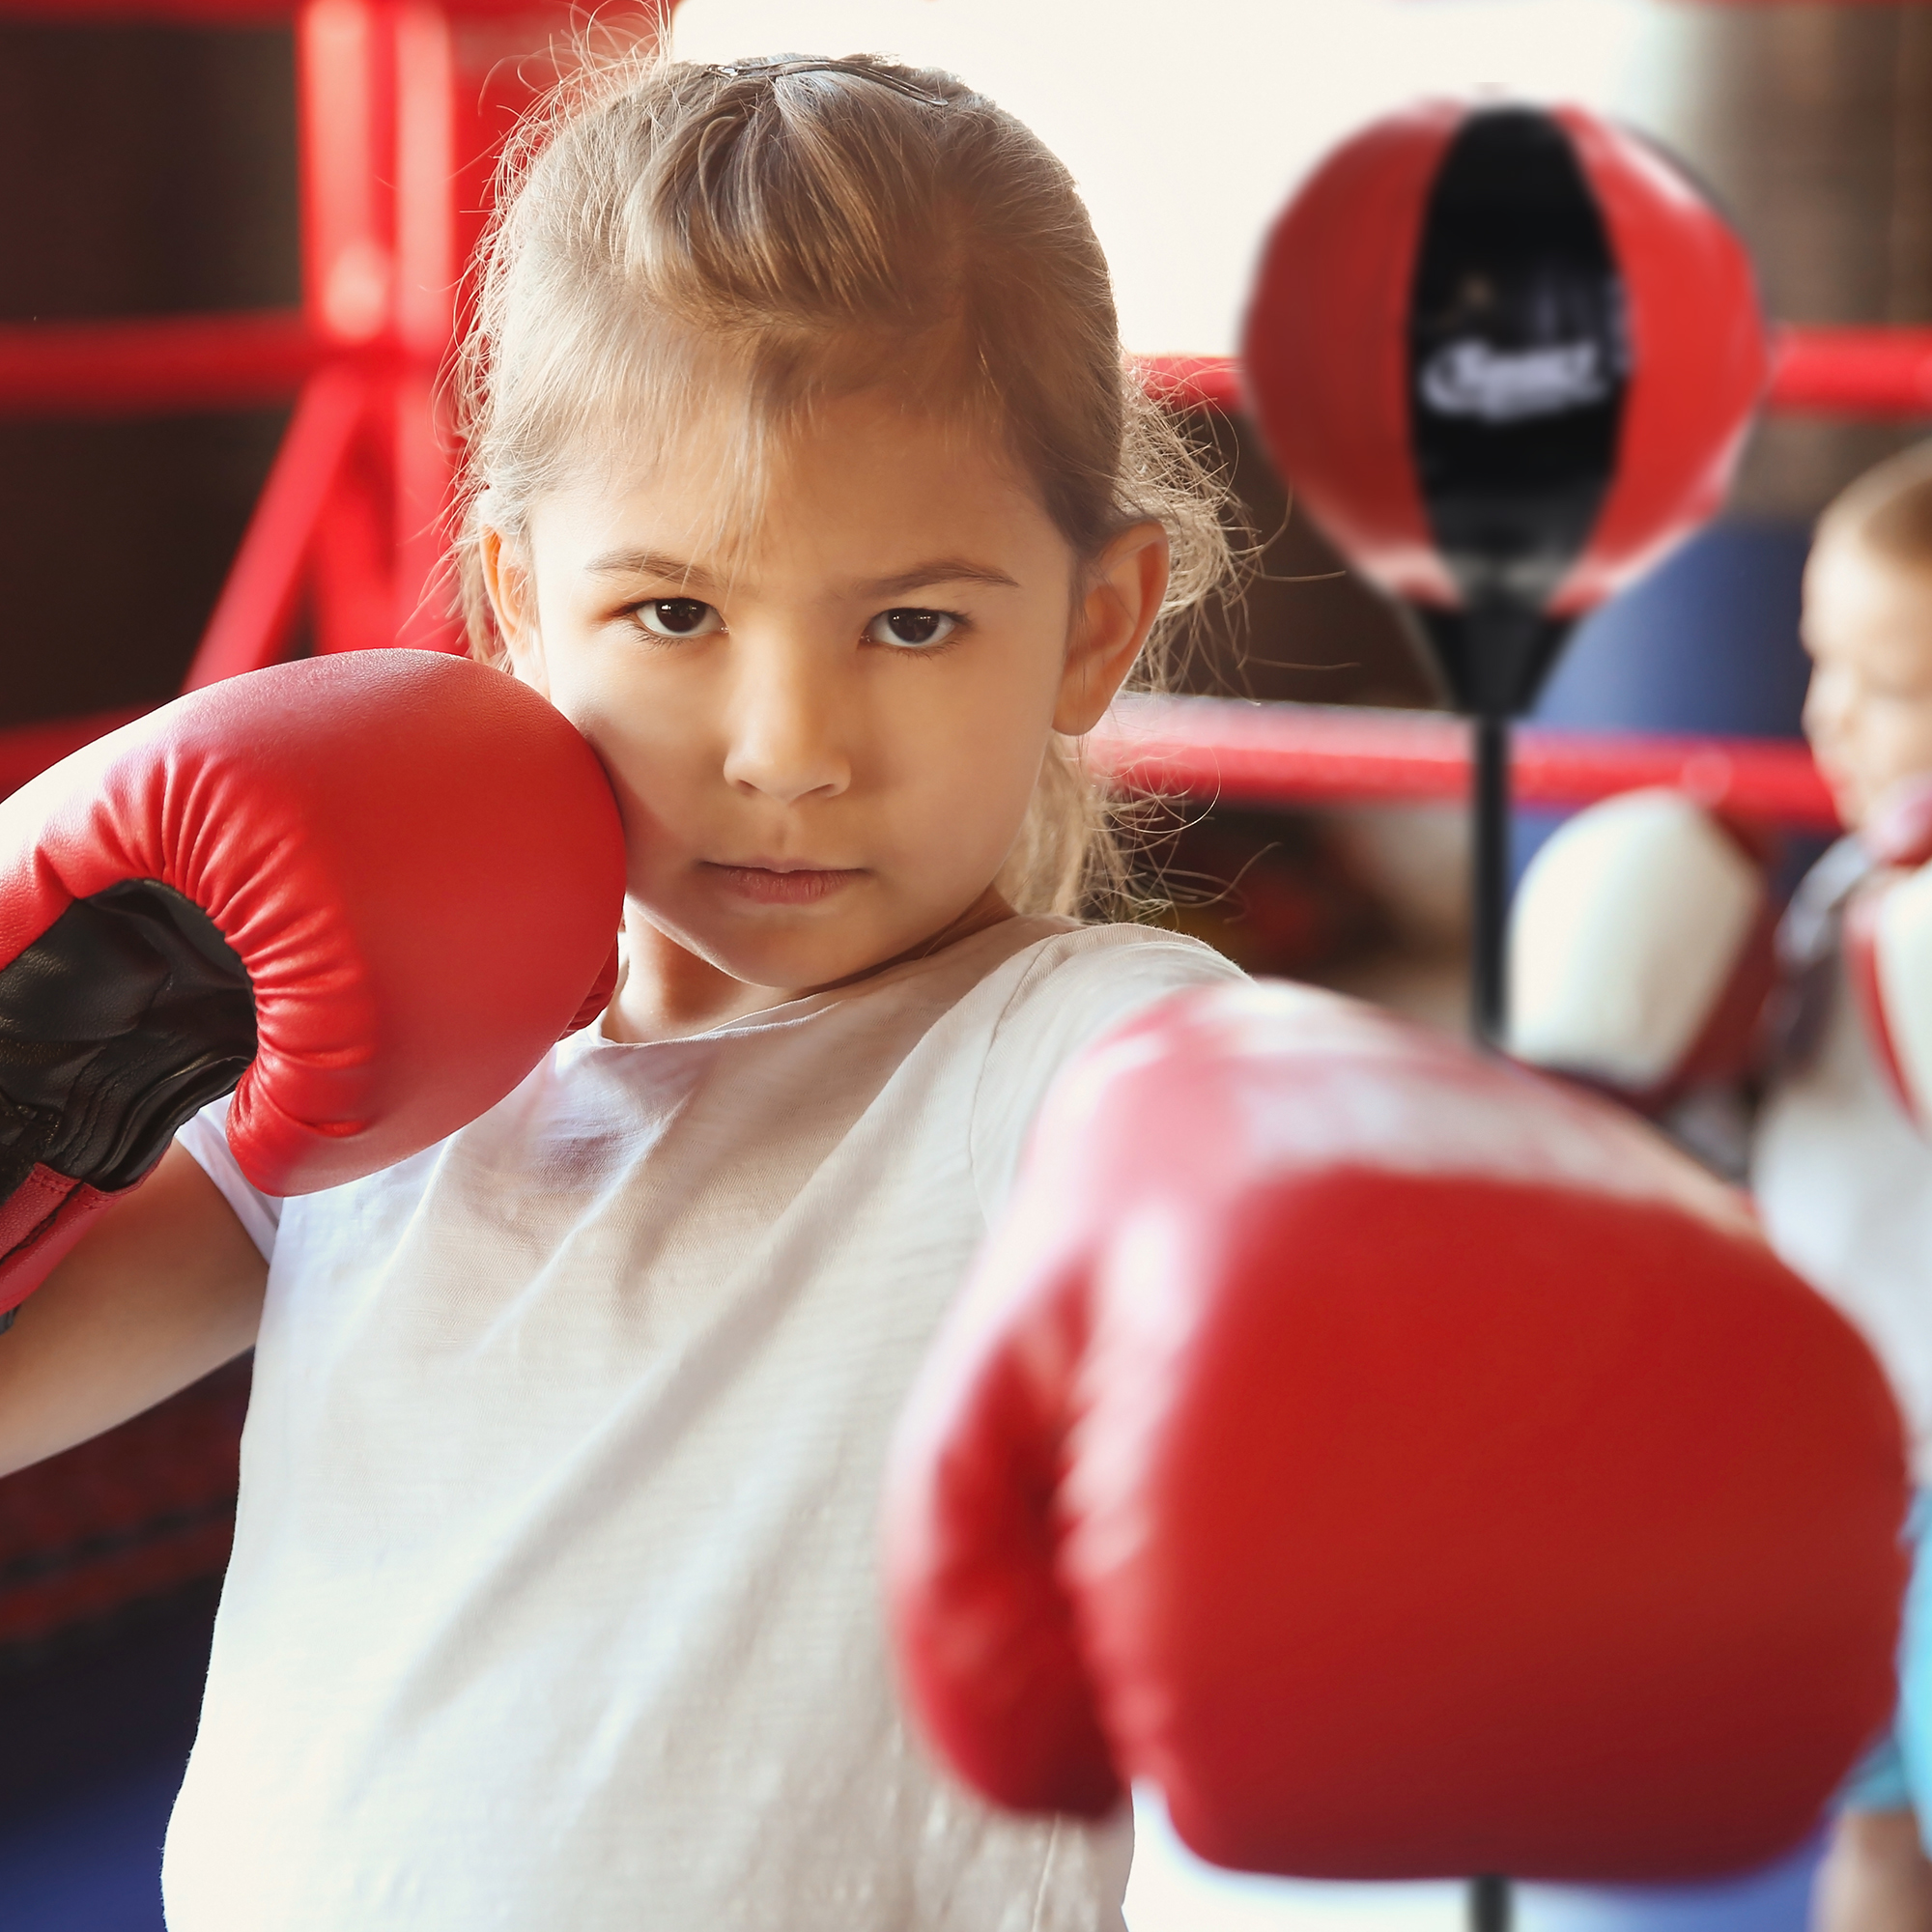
<point x="1518" y="360"/>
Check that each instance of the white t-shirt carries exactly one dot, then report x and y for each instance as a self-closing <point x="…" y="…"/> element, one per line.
<point x="1843" y="1183"/>
<point x="553" y="1601"/>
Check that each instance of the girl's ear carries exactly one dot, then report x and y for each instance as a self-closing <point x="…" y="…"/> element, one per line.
<point x="506" y="579"/>
<point x="1125" y="588"/>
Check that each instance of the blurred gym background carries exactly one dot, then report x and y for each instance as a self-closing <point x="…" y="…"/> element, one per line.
<point x="153" y="170"/>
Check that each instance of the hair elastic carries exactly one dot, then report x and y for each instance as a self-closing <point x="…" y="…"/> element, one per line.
<point x="774" y="70"/>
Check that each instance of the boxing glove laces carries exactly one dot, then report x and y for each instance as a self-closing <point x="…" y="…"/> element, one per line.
<point x="364" y="892"/>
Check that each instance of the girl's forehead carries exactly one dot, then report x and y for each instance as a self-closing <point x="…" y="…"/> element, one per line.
<point x="1865" y="607"/>
<point x="726" y="481"/>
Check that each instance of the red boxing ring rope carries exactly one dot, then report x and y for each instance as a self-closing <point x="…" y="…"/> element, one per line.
<point x="1880" y="373"/>
<point x="1225" y="750"/>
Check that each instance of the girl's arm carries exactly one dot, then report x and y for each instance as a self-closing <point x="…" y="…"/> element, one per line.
<point x="163" y="1287"/>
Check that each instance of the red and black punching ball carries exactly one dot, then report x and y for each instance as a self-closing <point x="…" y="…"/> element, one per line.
<point x="1507" y="356"/>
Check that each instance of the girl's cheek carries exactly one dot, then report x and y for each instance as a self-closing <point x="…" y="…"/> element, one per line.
<point x="603" y="687"/>
<point x="1912" y="738"/>
<point x="981" y="763"/>
<point x="1886" y="741"/>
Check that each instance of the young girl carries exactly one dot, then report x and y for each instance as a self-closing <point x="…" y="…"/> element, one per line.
<point x="805" y="479"/>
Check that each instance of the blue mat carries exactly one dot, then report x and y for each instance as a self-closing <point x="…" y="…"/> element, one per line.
<point x="90" y="1863"/>
<point x="96" y="1734"/>
<point x="1173" y="1892"/>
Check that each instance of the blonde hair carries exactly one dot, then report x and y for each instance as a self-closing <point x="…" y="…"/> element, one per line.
<point x="1888" y="509"/>
<point x="669" y="235"/>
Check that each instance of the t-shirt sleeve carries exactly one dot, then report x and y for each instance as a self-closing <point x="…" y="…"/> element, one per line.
<point x="1077" y="989"/>
<point x="205" y="1140"/>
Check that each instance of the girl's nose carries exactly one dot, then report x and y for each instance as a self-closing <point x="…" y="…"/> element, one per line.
<point x="782" y="740"/>
<point x="1829" y="702"/>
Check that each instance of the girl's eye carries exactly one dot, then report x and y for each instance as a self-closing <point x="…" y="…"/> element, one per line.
<point x="680" y="617"/>
<point x="912" y="630"/>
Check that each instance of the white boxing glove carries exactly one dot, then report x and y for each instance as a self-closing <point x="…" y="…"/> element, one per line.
<point x="1641" y="949"/>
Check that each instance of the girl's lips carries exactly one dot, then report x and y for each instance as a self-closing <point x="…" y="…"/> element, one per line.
<point x="782" y="885"/>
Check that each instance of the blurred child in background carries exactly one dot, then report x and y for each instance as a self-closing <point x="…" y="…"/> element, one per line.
<point x="1843" y="1177"/>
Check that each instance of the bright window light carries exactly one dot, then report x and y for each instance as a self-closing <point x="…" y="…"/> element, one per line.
<point x="1187" y="124"/>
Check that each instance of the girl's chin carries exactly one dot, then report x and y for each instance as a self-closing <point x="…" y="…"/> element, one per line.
<point x="1852" y="803"/>
<point x="796" y="947"/>
<point x="802" y="968"/>
<point x="811" y="939"/>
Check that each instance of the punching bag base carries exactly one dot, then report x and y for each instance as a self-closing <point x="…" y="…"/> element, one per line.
<point x="1493" y="659"/>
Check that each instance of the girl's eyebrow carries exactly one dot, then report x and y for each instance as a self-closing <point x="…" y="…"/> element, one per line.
<point x="648" y="563"/>
<point x="676" y="569"/>
<point x="941" y="570"/>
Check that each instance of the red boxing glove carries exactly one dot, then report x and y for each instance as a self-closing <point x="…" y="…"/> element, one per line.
<point x="1412" y="1467"/>
<point x="373" y="888"/>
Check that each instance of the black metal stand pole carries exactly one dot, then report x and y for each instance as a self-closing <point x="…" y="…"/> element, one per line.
<point x="1490" y="829"/>
<point x="1490" y="1904"/>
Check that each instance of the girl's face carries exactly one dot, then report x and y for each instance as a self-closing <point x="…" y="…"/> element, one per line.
<point x="823" y="738"/>
<point x="1868" y="713"/>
